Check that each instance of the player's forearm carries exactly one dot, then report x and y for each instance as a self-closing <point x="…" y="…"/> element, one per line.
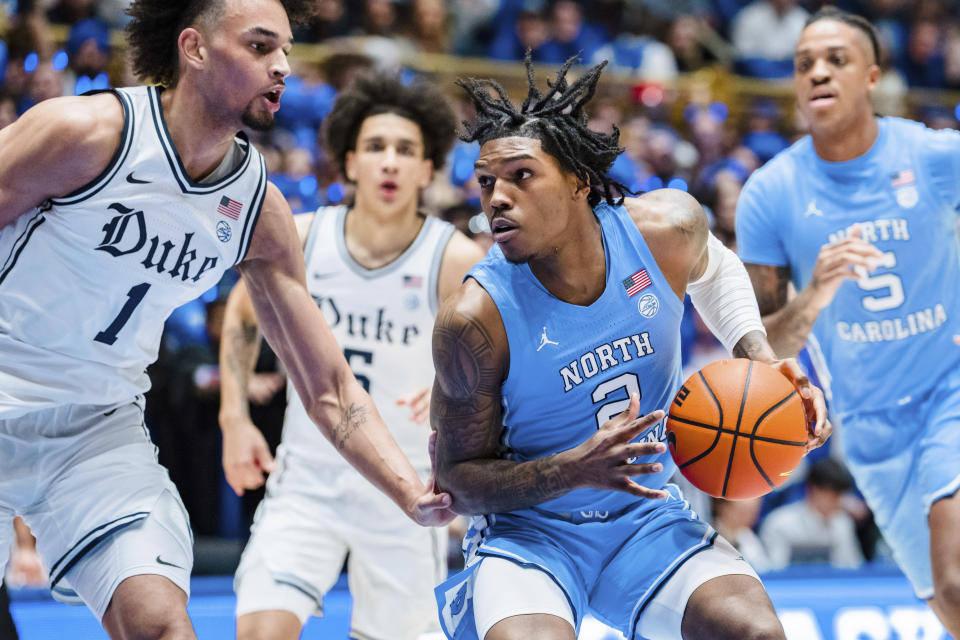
<point x="239" y="350"/>
<point x="755" y="346"/>
<point x="497" y="486"/>
<point x="348" y="418"/>
<point x="789" y="326"/>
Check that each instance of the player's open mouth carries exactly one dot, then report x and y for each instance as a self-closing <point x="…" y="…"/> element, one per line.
<point x="273" y="99"/>
<point x="388" y="188"/>
<point x="822" y="98"/>
<point x="502" y="229"/>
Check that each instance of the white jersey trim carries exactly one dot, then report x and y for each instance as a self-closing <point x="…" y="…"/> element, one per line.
<point x="183" y="179"/>
<point x="119" y="156"/>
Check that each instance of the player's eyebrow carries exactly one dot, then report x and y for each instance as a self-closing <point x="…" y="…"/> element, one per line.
<point x="479" y="164"/>
<point x="831" y="49"/>
<point x="267" y="33"/>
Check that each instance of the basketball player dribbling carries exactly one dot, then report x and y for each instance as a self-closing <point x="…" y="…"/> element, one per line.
<point x="116" y="208"/>
<point x="861" y="216"/>
<point x="540" y="439"/>
<point x="377" y="269"/>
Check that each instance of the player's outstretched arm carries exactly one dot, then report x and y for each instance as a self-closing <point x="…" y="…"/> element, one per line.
<point x="274" y="273"/>
<point x="54" y="149"/>
<point x="471" y="360"/>
<point x="246" y="455"/>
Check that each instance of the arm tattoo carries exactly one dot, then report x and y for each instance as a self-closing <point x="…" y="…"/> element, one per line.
<point x="351" y="419"/>
<point x="788" y="323"/>
<point x="242" y="350"/>
<point x="466" y="409"/>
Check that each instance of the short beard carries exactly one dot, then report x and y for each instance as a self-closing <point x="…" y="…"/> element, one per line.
<point x="255" y="122"/>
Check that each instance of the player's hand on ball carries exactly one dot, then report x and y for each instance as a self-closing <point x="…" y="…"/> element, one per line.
<point x="814" y="406"/>
<point x="246" y="456"/>
<point x="602" y="461"/>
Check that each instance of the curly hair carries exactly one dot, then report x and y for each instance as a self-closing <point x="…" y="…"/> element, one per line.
<point x="557" y="120"/>
<point x="155" y="26"/>
<point x="374" y="92"/>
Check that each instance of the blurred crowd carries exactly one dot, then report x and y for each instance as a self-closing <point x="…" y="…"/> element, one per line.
<point x="693" y="140"/>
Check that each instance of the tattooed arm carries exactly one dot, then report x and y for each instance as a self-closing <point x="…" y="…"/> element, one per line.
<point x="789" y="322"/>
<point x="274" y="274"/>
<point x="471" y="361"/>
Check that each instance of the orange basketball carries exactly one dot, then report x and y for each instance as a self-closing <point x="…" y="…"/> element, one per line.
<point x="736" y="429"/>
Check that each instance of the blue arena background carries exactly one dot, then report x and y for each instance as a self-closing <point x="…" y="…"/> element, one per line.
<point x="814" y="603"/>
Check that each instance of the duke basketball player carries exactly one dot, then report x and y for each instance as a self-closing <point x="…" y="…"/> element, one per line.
<point x="377" y="270"/>
<point x="861" y="217"/>
<point x="540" y="439"/>
<point x="122" y="206"/>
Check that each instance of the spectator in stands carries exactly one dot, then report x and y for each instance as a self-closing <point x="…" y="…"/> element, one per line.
<point x="634" y="52"/>
<point x="88" y="48"/>
<point x="923" y="61"/>
<point x="764" y="34"/>
<point x="951" y="54"/>
<point x="734" y="520"/>
<point x="762" y="136"/>
<point x="570" y="34"/>
<point x="71" y="11"/>
<point x="8" y="109"/>
<point x="687" y="38"/>
<point x="526" y="31"/>
<point x="429" y="28"/>
<point x="815" y="529"/>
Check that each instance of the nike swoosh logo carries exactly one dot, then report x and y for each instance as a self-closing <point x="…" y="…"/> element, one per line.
<point x="133" y="180"/>
<point x="169" y="564"/>
<point x="323" y="276"/>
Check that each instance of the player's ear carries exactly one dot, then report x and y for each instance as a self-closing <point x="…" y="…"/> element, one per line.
<point x="873" y="77"/>
<point x="350" y="166"/>
<point x="192" y="47"/>
<point x="426" y="174"/>
<point x="579" y="189"/>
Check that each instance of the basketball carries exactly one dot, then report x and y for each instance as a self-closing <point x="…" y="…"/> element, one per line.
<point x="737" y="429"/>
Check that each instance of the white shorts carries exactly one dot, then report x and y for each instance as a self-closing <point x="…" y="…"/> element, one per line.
<point x="87" y="482"/>
<point x="503" y="589"/>
<point x="305" y="528"/>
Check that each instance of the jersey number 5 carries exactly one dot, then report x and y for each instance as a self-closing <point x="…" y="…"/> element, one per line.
<point x="889" y="281"/>
<point x="364" y="356"/>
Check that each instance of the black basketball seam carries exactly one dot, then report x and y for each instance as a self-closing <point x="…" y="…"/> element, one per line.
<point x="754" y="436"/>
<point x="716" y="401"/>
<point x="733" y="445"/>
<point x="693" y="423"/>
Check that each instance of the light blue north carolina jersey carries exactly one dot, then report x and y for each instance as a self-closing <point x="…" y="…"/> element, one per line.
<point x="573" y="367"/>
<point x="889" y="337"/>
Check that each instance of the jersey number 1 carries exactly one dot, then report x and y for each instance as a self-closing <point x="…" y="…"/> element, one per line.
<point x="134" y="297"/>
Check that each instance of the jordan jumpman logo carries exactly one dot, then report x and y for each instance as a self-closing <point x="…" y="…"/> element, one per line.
<point x="544" y="340"/>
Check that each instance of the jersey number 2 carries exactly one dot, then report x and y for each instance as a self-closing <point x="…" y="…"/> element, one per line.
<point x="626" y="381"/>
<point x="134" y="297"/>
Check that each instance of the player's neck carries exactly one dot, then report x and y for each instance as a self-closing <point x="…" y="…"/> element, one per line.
<point x="575" y="270"/>
<point x="375" y="238"/>
<point x="846" y="142"/>
<point x="201" y="141"/>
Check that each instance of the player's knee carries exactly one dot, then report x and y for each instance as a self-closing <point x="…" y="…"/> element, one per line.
<point x="766" y="627"/>
<point x="158" y="627"/>
<point x="268" y="625"/>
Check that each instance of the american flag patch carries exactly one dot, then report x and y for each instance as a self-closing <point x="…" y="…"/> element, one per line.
<point x="637" y="282"/>
<point x="230" y="208"/>
<point x="902" y="178"/>
<point x="413" y="282"/>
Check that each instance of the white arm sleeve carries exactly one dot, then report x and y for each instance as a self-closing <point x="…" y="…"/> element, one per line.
<point x="724" y="296"/>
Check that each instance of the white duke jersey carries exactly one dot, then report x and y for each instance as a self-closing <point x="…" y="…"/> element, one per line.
<point x="88" y="279"/>
<point x="383" y="320"/>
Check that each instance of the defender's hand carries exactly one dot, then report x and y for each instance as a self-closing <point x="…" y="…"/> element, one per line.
<point x="419" y="403"/>
<point x="601" y="461"/>
<point x="246" y="456"/>
<point x="814" y="406"/>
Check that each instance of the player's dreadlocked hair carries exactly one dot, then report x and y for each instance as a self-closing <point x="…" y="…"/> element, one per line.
<point x="156" y="24"/>
<point x="374" y="92"/>
<point x="557" y="120"/>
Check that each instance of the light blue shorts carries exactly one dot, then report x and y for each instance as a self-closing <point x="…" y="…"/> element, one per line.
<point x="904" y="459"/>
<point x="611" y="568"/>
